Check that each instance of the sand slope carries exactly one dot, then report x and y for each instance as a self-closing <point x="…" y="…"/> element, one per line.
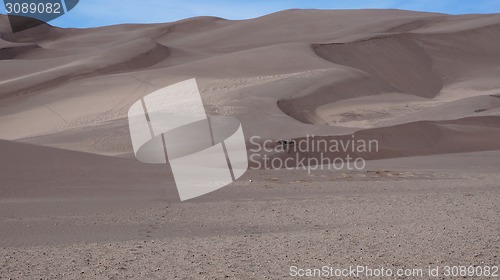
<point x="335" y="73"/>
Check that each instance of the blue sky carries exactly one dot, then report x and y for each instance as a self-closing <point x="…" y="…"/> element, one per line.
<point x="92" y="13"/>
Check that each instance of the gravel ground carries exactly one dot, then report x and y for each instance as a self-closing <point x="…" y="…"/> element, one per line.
<point x="274" y="225"/>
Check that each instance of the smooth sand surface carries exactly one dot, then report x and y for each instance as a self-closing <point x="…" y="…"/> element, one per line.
<point x="75" y="203"/>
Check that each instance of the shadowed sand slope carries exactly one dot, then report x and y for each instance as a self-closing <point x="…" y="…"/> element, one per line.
<point x="39" y="184"/>
<point x="420" y="65"/>
<point x="69" y="175"/>
<point x="400" y="63"/>
<point x="404" y="140"/>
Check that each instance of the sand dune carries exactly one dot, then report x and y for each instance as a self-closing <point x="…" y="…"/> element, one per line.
<point x="318" y="73"/>
<point x="425" y="67"/>
<point x="51" y="72"/>
<point x="335" y="73"/>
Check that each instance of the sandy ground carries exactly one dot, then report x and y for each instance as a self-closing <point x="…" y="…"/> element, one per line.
<point x="399" y="213"/>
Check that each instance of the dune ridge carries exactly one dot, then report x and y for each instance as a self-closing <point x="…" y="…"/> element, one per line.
<point x="335" y="73"/>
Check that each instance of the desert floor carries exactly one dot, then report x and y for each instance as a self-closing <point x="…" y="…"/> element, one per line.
<point x="425" y="213"/>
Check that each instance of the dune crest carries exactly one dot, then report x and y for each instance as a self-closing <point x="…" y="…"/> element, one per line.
<point x="378" y="72"/>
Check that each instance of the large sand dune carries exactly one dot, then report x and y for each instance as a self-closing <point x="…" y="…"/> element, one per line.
<point x="283" y="75"/>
